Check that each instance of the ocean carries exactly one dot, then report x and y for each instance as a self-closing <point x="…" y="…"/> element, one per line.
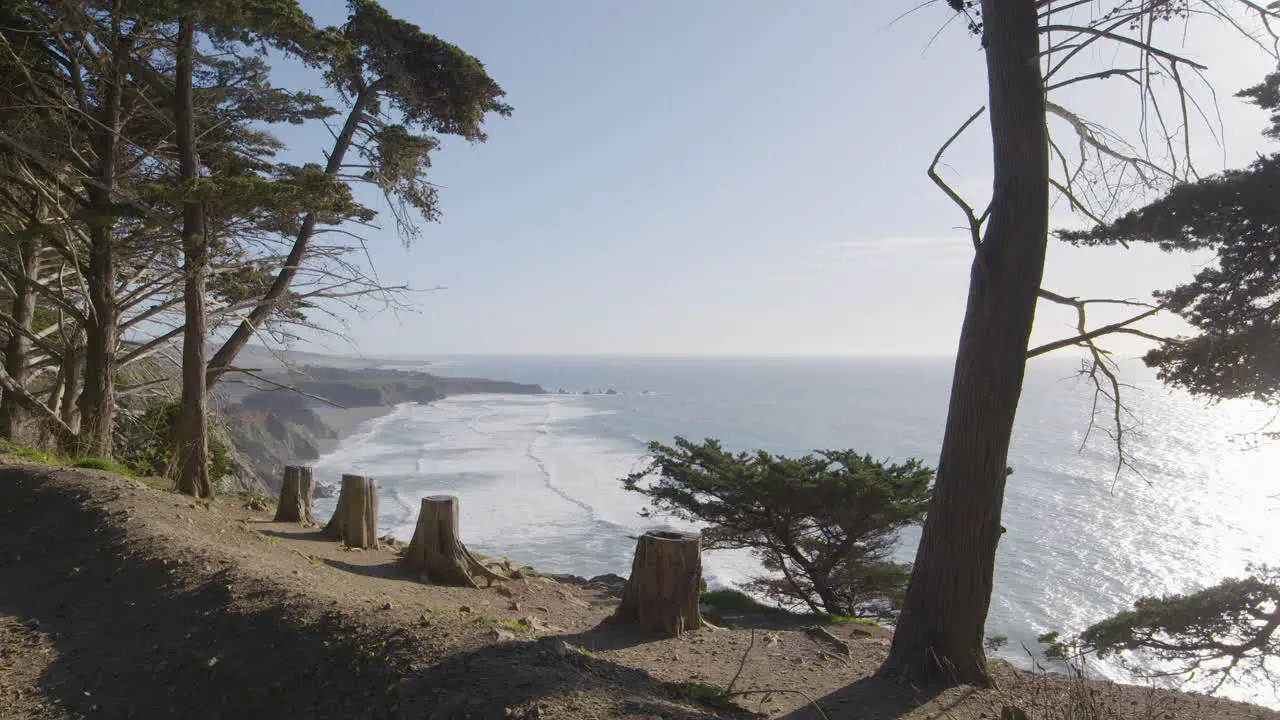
<point x="538" y="476"/>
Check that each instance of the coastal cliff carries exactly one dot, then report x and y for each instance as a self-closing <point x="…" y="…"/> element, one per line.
<point x="268" y="429"/>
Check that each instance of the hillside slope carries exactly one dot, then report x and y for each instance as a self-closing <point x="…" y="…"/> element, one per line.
<point x="119" y="600"/>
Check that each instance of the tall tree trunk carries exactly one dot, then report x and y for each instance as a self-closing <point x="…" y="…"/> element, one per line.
<point x="193" y="421"/>
<point x="102" y="332"/>
<point x="248" y="327"/>
<point x="72" y="374"/>
<point x="98" y="398"/>
<point x="830" y="603"/>
<point x="939" y="636"/>
<point x="12" y="415"/>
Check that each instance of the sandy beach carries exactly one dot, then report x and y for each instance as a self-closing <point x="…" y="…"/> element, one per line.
<point x="345" y="421"/>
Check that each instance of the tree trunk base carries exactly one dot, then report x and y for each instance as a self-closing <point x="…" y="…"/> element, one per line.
<point x="297" y="493"/>
<point x="436" y="550"/>
<point x="355" y="520"/>
<point x="927" y="668"/>
<point x="662" y="593"/>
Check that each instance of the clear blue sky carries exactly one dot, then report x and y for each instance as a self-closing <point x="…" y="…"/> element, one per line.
<point x="728" y="177"/>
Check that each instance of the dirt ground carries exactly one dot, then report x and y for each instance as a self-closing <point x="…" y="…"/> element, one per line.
<point x="118" y="600"/>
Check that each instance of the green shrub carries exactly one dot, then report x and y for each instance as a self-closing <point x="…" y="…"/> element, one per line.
<point x="146" y="443"/>
<point x="1225" y="633"/>
<point x="737" y="601"/>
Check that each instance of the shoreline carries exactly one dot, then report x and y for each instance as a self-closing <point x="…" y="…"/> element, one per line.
<point x="344" y="422"/>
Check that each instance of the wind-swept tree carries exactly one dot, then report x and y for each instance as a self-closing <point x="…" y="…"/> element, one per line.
<point x="825" y="523"/>
<point x="1031" y="48"/>
<point x="284" y="24"/>
<point x="402" y="87"/>
<point x="1223" y="633"/>
<point x="141" y="202"/>
<point x="1233" y="303"/>
<point x="1226" y="632"/>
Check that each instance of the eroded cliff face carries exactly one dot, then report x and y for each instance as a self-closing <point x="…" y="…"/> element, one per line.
<point x="268" y="431"/>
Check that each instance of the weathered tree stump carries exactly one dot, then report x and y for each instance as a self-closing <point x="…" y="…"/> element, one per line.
<point x="297" y="493"/>
<point x="437" y="551"/>
<point x="355" y="520"/>
<point x="662" y="593"/>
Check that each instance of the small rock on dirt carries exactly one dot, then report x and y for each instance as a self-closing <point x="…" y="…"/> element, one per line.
<point x="464" y="608"/>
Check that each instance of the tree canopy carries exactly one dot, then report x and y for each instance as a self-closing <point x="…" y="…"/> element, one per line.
<point x="825" y="523"/>
<point x="139" y="172"/>
<point x="1232" y="303"/>
<point x="1223" y="633"/>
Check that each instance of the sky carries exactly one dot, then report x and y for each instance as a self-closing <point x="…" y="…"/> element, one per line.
<point x="736" y="177"/>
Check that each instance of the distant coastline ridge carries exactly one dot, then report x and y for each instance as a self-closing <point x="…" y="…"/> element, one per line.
<point x="268" y="429"/>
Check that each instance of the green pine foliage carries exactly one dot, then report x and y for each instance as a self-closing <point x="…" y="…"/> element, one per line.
<point x="90" y="94"/>
<point x="823" y="525"/>
<point x="1231" y="302"/>
<point x="1217" y="635"/>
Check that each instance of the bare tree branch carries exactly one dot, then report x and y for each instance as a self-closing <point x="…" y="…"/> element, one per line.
<point x="975" y="223"/>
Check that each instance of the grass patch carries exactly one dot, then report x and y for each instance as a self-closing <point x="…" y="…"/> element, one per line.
<point x="45" y="457"/>
<point x="27" y="453"/>
<point x="737" y="601"/>
<point x="705" y="695"/>
<point x="843" y="619"/>
<point x="100" y="463"/>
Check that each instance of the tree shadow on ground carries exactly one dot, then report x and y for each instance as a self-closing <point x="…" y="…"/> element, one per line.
<point x="871" y="698"/>
<point x="607" y="636"/>
<point x="387" y="570"/>
<point x="137" y="636"/>
<point x="312" y="534"/>
<point x="761" y="621"/>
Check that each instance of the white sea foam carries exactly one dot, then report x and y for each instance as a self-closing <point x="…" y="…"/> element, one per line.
<point x="529" y="487"/>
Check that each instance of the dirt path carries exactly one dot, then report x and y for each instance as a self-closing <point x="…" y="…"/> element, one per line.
<point x="118" y="600"/>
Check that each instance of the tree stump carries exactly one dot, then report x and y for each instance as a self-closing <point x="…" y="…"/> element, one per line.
<point x="297" y="493"/>
<point x="662" y="593"/>
<point x="437" y="551"/>
<point x="355" y="520"/>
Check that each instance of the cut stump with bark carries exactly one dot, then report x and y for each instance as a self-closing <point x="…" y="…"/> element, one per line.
<point x="355" y="520"/>
<point x="297" y="493"/>
<point x="662" y="593"/>
<point x="436" y="550"/>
